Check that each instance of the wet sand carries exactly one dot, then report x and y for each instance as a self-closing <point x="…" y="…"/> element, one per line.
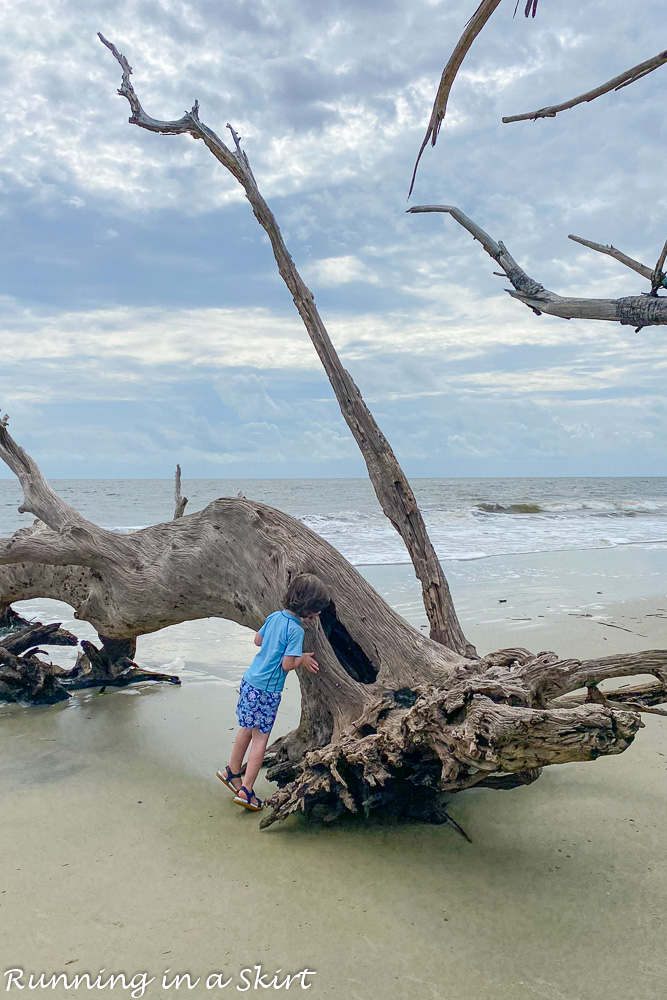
<point x="121" y="850"/>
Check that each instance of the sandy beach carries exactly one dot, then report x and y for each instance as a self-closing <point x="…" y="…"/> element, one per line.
<point x="252" y="331"/>
<point x="121" y="851"/>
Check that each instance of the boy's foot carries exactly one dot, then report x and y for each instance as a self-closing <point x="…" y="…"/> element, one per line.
<point x="248" y="799"/>
<point x="231" y="780"/>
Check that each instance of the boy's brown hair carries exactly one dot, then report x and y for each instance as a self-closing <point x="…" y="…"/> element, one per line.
<point x="306" y="595"/>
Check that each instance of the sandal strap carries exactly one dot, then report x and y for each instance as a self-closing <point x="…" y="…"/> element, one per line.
<point x="249" y="795"/>
<point x="230" y="774"/>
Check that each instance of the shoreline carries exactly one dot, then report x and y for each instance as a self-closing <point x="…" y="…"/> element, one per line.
<point x="542" y="601"/>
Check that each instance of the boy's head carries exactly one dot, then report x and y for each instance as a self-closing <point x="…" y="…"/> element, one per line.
<point x="306" y="595"/>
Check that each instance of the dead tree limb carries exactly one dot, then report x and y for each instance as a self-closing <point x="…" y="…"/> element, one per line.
<point x="659" y="278"/>
<point x="179" y="500"/>
<point x="632" y="310"/>
<point x="461" y="49"/>
<point x="34" y="635"/>
<point x="23" y="676"/>
<point x="611" y="251"/>
<point x="28" y="680"/>
<point x="617" y="83"/>
<point x="391" y="486"/>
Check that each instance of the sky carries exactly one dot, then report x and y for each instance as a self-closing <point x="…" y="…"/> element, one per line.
<point x="143" y="322"/>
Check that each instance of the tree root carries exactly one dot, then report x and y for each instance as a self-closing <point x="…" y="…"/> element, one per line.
<point x="26" y="679"/>
<point x="11" y="620"/>
<point x="491" y="725"/>
<point x="111" y="667"/>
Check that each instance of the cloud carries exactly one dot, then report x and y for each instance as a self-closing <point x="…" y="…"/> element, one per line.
<point x="340" y="271"/>
<point x="244" y="389"/>
<point x="143" y="319"/>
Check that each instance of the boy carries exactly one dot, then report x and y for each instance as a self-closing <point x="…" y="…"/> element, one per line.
<point x="281" y="649"/>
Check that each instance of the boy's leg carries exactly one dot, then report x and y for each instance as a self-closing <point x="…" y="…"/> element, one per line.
<point x="241" y="744"/>
<point x="255" y="757"/>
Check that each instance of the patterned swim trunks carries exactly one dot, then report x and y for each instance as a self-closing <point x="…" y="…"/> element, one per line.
<point x="257" y="709"/>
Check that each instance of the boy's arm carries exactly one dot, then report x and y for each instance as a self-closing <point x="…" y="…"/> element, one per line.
<point x="306" y="660"/>
<point x="295" y="657"/>
<point x="259" y="634"/>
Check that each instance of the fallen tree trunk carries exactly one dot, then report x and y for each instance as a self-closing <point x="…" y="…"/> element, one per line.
<point x="233" y="560"/>
<point x="394" y="720"/>
<point x="491" y="723"/>
<point x="32" y="681"/>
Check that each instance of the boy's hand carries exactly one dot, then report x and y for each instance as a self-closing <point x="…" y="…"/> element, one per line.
<point x="310" y="663"/>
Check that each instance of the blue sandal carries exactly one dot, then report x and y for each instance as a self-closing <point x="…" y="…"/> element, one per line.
<point x="226" y="777"/>
<point x="247" y="802"/>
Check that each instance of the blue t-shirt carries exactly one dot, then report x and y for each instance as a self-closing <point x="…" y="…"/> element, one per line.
<point x="282" y="635"/>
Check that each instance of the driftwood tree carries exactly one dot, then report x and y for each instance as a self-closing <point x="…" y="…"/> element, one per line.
<point x="394" y="720"/>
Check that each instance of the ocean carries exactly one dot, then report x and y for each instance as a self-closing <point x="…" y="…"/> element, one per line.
<point x="467" y="519"/>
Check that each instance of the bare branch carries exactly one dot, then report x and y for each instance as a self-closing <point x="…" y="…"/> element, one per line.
<point x="632" y="310"/>
<point x="642" y="697"/>
<point x="76" y="536"/>
<point x="658" y="277"/>
<point x="622" y="80"/>
<point x="649" y="661"/>
<point x="477" y="233"/>
<point x="38" y="497"/>
<point x="472" y="29"/>
<point x="391" y="486"/>
<point x="553" y="679"/>
<point x="179" y="500"/>
<point x="61" y="536"/>
<point x="611" y="251"/>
